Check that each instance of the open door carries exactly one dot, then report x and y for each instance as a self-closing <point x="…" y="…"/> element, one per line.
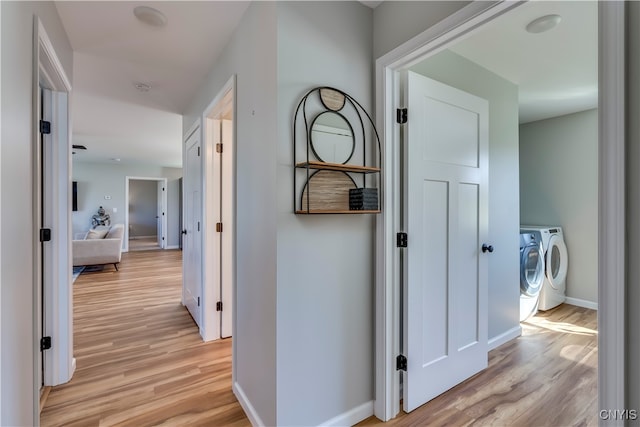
<point x="192" y="235"/>
<point x="446" y="216"/>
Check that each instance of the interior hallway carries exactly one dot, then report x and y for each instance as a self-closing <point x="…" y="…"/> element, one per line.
<point x="140" y="359"/>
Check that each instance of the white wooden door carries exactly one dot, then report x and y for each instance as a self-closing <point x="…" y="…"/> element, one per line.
<point x="192" y="251"/>
<point x="446" y="217"/>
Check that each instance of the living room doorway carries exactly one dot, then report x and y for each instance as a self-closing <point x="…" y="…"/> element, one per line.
<point x="146" y="213"/>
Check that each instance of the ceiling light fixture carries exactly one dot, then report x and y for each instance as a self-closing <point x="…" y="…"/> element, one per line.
<point x="544" y="23"/>
<point x="142" y="87"/>
<point x="114" y="159"/>
<point x="150" y="16"/>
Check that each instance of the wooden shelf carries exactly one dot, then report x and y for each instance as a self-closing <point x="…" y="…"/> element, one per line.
<point x="337" y="167"/>
<point x="319" y="212"/>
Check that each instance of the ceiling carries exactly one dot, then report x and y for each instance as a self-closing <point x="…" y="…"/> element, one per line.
<point x="113" y="51"/>
<point x="556" y="71"/>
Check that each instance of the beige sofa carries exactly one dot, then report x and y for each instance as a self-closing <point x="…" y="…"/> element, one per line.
<point x="102" y="245"/>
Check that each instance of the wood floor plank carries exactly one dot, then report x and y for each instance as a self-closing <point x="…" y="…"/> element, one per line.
<point x="140" y="359"/>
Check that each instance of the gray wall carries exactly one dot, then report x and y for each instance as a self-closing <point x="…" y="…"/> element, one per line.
<point x="143" y="208"/>
<point x="633" y="208"/>
<point x="395" y="22"/>
<point x="325" y="262"/>
<point x="16" y="292"/>
<point x="97" y="180"/>
<point x="252" y="56"/>
<point x="559" y="186"/>
<point x="504" y="219"/>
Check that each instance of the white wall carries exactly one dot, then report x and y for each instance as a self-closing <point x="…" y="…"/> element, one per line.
<point x="97" y="180"/>
<point x="143" y="208"/>
<point x="559" y="186"/>
<point x="395" y="22"/>
<point x="251" y="55"/>
<point x="504" y="219"/>
<point x="633" y="207"/>
<point x="325" y="263"/>
<point x="18" y="349"/>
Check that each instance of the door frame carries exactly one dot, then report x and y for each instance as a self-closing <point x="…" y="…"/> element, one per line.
<point x="213" y="242"/>
<point x="48" y="72"/>
<point x="611" y="242"/>
<point x="128" y="180"/>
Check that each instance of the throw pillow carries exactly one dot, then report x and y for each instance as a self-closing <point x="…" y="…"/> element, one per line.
<point x="96" y="234"/>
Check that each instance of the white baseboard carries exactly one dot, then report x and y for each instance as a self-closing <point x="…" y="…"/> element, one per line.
<point x="142" y="237"/>
<point x="581" y="303"/>
<point x="173" y="247"/>
<point x="512" y="333"/>
<point x="249" y="410"/>
<point x="352" y="417"/>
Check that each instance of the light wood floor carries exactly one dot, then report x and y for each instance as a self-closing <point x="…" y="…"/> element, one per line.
<point x="140" y="360"/>
<point x="546" y="377"/>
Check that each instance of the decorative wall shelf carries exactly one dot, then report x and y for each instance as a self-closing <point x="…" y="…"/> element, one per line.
<point x="338" y="171"/>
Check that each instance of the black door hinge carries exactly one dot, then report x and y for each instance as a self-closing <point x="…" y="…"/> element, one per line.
<point x="45" y="234"/>
<point x="198" y="151"/>
<point x="401" y="363"/>
<point x="198" y="301"/>
<point x="219" y="306"/>
<point x="401" y="240"/>
<point x="45" y="343"/>
<point x="401" y="115"/>
<point x="219" y="148"/>
<point x="45" y="127"/>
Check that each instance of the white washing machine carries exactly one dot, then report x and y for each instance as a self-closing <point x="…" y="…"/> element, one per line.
<point x="556" y="259"/>
<point x="531" y="272"/>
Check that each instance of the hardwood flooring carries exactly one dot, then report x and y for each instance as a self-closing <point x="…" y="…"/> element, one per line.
<point x="140" y="359"/>
<point x="141" y="362"/>
<point x="546" y="377"/>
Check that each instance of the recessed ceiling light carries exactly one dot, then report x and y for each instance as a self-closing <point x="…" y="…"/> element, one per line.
<point x="142" y="87"/>
<point x="544" y="23"/>
<point x="150" y="16"/>
<point x="114" y="159"/>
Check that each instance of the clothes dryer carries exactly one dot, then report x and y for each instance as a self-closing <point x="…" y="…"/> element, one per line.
<point x="553" y="292"/>
<point x="531" y="272"/>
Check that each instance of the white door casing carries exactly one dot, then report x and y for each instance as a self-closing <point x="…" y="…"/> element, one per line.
<point x="226" y="237"/>
<point x="446" y="217"/>
<point x="192" y="252"/>
<point x="160" y="213"/>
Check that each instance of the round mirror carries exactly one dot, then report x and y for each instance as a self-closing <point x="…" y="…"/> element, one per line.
<point x="332" y="138"/>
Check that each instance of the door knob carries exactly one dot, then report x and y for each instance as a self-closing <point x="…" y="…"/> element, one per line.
<point x="487" y="248"/>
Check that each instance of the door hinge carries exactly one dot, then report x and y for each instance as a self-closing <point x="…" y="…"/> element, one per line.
<point x="198" y="151"/>
<point x="219" y="306"/>
<point x="401" y="240"/>
<point x="198" y="225"/>
<point x="218" y="148"/>
<point x="218" y="227"/>
<point x="198" y="301"/>
<point x="45" y="127"/>
<point x="45" y="234"/>
<point x="401" y="116"/>
<point x="45" y="343"/>
<point x="162" y="238"/>
<point x="401" y="363"/>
